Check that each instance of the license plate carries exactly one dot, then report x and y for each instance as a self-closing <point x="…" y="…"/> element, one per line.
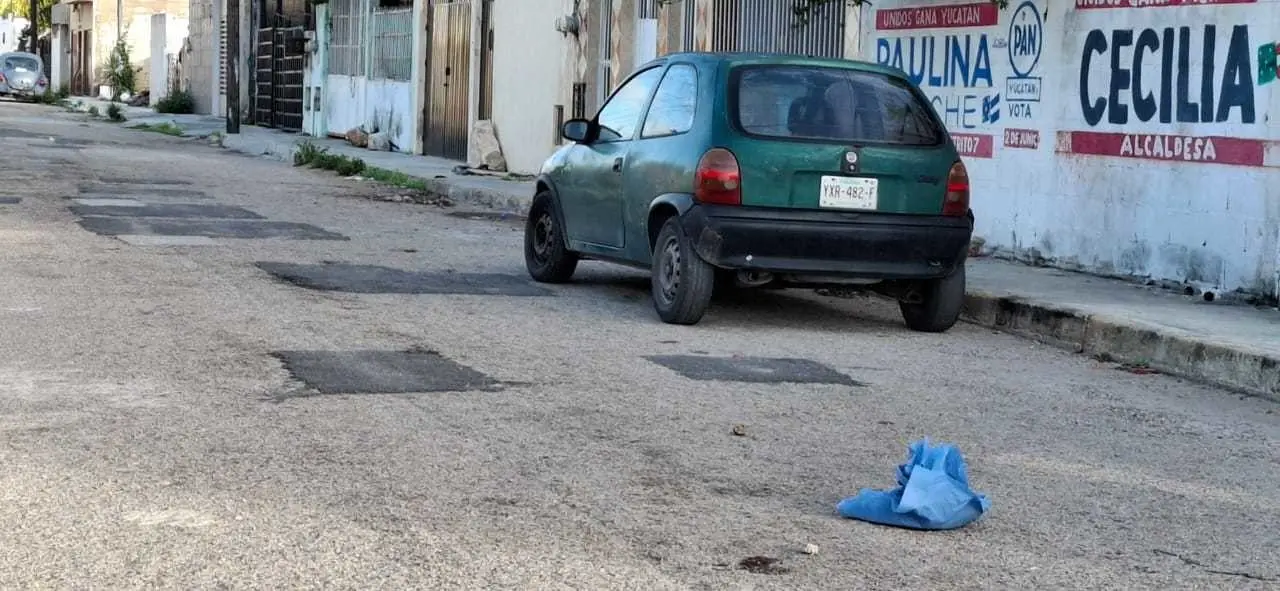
<point x="843" y="192"/>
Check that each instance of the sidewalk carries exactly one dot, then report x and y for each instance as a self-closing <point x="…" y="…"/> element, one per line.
<point x="491" y="192"/>
<point x="1228" y="345"/>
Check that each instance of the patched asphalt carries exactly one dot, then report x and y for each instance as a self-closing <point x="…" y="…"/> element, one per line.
<point x="378" y="279"/>
<point x="240" y="229"/>
<point x="381" y="372"/>
<point x="756" y="370"/>
<point x="165" y="210"/>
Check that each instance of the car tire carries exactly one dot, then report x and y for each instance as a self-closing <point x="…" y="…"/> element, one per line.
<point x="682" y="281"/>
<point x="940" y="305"/>
<point x="546" y="254"/>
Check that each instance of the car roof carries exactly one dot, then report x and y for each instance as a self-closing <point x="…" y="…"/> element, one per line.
<point x="21" y="54"/>
<point x="757" y="58"/>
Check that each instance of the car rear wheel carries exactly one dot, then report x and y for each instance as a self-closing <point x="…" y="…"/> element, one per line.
<point x="545" y="254"/>
<point x="682" y="281"/>
<point x="941" y="301"/>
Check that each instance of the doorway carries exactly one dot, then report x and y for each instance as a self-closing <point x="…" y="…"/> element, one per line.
<point x="448" y="80"/>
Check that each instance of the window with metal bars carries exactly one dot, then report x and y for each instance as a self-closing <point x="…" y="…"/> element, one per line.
<point x="346" y="53"/>
<point x="391" y="57"/>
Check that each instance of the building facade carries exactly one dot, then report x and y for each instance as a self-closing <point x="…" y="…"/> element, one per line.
<point x="1116" y="137"/>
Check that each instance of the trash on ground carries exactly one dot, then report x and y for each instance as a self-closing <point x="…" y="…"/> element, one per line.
<point x="740" y="430"/>
<point x="932" y="494"/>
<point x="811" y="549"/>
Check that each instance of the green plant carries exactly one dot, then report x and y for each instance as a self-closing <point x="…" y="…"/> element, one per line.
<point x="167" y="128"/>
<point x="93" y="111"/>
<point x="178" y="101"/>
<point x="307" y="152"/>
<point x="396" y="178"/>
<point x="120" y="70"/>
<point x="310" y="154"/>
<point x="64" y="91"/>
<point x="348" y="166"/>
<point x="115" y="113"/>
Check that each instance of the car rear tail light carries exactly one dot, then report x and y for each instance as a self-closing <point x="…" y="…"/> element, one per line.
<point x="718" y="180"/>
<point x="42" y="81"/>
<point x="956" y="203"/>
<point x="2" y="80"/>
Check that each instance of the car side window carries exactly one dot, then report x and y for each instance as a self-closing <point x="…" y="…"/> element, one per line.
<point x="674" y="104"/>
<point x="621" y="115"/>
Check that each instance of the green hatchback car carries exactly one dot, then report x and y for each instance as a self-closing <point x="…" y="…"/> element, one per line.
<point x="731" y="171"/>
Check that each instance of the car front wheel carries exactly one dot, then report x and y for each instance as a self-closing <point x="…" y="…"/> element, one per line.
<point x="545" y="254"/>
<point x="940" y="303"/>
<point x="682" y="281"/>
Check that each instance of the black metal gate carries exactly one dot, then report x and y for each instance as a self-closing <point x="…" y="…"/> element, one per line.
<point x="279" y="60"/>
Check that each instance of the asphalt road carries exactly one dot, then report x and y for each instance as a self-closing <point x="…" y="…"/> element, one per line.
<point x="155" y="433"/>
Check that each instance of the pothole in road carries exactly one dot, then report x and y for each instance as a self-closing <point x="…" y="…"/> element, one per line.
<point x="165" y="210"/>
<point x="381" y="372"/>
<point x="758" y="370"/>
<point x="376" y="279"/>
<point x="244" y="229"/>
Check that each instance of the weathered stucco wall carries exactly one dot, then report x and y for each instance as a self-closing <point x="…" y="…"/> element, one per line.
<point x="136" y="26"/>
<point x="374" y="105"/>
<point x="1114" y="136"/>
<point x="529" y="62"/>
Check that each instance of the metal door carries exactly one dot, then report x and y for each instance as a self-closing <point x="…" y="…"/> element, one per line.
<point x="81" y="66"/>
<point x="264" y="77"/>
<point x="449" y="77"/>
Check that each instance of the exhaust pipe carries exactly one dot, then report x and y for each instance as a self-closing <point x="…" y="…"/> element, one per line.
<point x="754" y="278"/>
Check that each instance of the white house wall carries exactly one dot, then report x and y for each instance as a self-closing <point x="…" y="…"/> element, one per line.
<point x="1163" y="166"/>
<point x="528" y="63"/>
<point x="372" y="104"/>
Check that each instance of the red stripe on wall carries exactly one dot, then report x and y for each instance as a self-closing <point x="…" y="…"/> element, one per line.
<point x="1104" y="4"/>
<point x="974" y="145"/>
<point x="1166" y="148"/>
<point x="978" y="14"/>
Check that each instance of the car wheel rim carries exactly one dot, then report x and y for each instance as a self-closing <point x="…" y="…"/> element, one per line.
<point x="544" y="231"/>
<point x="669" y="270"/>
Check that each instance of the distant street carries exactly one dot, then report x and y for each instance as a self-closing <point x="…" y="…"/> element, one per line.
<point x="220" y="372"/>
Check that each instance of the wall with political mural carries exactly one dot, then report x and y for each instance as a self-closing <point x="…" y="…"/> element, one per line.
<point x="1133" y="137"/>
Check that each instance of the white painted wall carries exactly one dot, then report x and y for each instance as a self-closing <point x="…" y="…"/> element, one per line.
<point x="382" y="105"/>
<point x="11" y="32"/>
<point x="528" y="79"/>
<point x="1097" y="194"/>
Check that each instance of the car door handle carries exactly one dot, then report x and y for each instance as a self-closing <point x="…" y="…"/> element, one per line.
<point x="617" y="165"/>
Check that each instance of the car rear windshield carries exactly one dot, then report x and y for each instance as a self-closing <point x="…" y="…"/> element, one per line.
<point x="832" y="104"/>
<point x="19" y="62"/>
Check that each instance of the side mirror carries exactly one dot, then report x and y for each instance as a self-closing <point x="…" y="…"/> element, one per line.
<point x="577" y="130"/>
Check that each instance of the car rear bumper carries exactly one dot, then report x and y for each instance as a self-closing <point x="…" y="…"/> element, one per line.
<point x="829" y="243"/>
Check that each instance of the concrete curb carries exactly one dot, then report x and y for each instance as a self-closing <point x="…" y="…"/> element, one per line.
<point x="1249" y="372"/>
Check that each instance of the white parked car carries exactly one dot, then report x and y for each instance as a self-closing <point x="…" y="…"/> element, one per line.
<point x="22" y="75"/>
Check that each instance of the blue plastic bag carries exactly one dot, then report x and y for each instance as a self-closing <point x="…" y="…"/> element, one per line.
<point x="933" y="493"/>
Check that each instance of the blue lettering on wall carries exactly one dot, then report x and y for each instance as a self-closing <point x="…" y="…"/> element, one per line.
<point x="938" y="63"/>
<point x="944" y="61"/>
<point x="1135" y="74"/>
